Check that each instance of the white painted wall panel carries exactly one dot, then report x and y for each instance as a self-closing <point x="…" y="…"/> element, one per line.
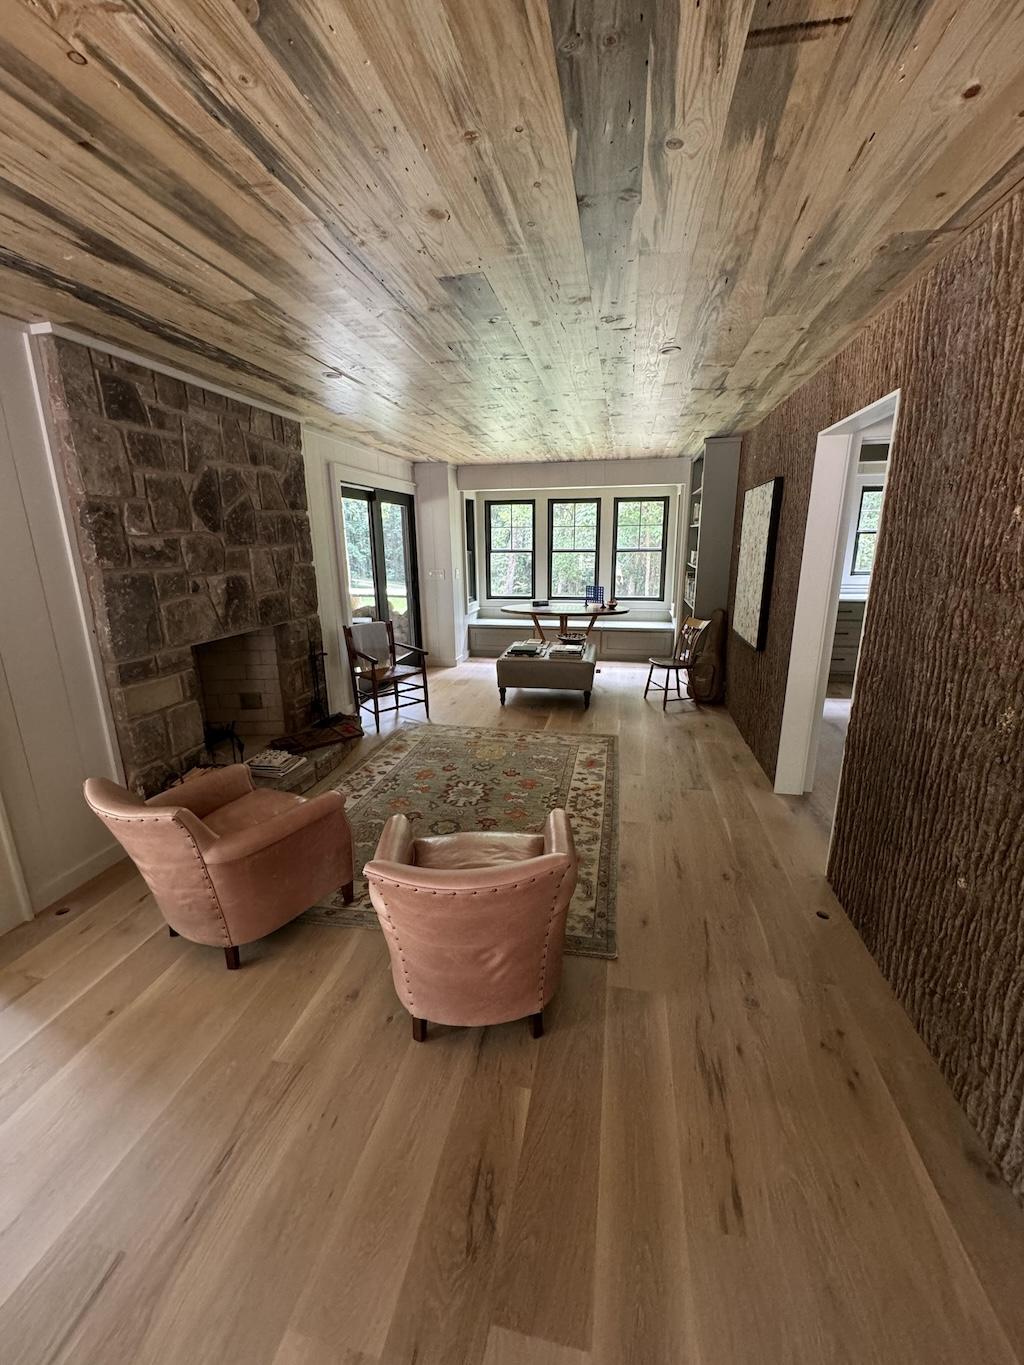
<point x="54" y="725"/>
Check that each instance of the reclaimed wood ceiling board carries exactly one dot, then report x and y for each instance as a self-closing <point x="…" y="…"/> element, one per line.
<point x="471" y="231"/>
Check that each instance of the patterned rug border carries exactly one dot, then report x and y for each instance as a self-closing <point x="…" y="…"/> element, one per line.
<point x="575" y="944"/>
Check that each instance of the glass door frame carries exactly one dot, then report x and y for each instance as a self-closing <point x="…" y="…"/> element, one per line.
<point x="374" y="497"/>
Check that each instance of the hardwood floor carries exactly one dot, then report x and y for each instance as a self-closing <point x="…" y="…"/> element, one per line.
<point x="821" y="800"/>
<point x="730" y="1148"/>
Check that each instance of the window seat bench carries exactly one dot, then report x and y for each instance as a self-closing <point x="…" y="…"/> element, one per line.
<point x="628" y="640"/>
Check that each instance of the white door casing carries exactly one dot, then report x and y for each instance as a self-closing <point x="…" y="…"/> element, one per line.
<point x="821" y="572"/>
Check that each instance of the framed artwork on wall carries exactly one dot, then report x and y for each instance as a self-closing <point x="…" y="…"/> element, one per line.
<point x="758" y="531"/>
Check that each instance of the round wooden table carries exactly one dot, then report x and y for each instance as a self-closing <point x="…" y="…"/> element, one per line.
<point x="563" y="615"/>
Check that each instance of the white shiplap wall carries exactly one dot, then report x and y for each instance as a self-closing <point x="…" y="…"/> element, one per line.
<point x="54" y="725"/>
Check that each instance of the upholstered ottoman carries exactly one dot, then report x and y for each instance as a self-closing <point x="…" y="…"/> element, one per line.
<point x="561" y="675"/>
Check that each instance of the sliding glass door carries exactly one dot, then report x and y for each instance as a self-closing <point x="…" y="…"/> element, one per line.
<point x="380" y="551"/>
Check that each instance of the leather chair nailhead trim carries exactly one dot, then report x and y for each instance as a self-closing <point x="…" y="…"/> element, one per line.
<point x="144" y="819"/>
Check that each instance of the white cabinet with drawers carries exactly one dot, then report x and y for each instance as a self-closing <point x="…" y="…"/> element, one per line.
<point x="846" y="644"/>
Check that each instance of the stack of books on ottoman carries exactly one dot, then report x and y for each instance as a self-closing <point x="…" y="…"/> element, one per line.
<point x="565" y="651"/>
<point x="525" y="649"/>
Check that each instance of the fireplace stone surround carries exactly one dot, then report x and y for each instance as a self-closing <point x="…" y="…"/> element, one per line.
<point x="189" y="510"/>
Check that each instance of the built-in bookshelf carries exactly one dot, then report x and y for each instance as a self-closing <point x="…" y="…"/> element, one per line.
<point x="709" y="522"/>
<point x="693" y="531"/>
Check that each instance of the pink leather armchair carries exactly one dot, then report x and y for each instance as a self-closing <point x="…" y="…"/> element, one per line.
<point x="475" y="923"/>
<point x="227" y="862"/>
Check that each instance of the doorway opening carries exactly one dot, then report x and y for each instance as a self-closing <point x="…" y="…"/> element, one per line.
<point x="380" y="559"/>
<point x="844" y="520"/>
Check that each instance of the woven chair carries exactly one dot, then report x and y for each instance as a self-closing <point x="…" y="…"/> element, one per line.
<point x="682" y="660"/>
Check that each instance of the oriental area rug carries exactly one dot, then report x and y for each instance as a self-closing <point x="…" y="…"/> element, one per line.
<point x="447" y="778"/>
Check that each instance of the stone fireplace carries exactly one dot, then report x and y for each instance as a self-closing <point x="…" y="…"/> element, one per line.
<point x="190" y="513"/>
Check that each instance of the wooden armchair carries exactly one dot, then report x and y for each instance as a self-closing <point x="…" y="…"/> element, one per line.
<point x="682" y="660"/>
<point x="382" y="666"/>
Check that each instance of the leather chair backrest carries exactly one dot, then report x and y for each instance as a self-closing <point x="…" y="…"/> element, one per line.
<point x="166" y="844"/>
<point x="476" y="945"/>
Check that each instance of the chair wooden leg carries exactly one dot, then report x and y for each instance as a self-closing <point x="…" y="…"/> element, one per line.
<point x="173" y="933"/>
<point x="231" y="957"/>
<point x="664" y="696"/>
<point x="426" y="695"/>
<point x="537" y="1025"/>
<point x="650" y="674"/>
<point x="419" y="1030"/>
<point x="348" y="893"/>
<point x="376" y="709"/>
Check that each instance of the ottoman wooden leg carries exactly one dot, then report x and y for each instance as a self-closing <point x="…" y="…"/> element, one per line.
<point x="586" y="701"/>
<point x="501" y="694"/>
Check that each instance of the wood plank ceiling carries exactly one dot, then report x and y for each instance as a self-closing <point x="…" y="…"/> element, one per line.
<point x="478" y="230"/>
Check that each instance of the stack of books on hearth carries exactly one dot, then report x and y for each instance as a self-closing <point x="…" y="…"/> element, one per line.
<point x="273" y="763"/>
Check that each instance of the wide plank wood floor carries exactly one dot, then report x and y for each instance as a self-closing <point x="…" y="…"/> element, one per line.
<point x="730" y="1148"/>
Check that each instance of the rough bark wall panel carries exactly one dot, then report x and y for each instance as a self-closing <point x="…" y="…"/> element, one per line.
<point x="928" y="852"/>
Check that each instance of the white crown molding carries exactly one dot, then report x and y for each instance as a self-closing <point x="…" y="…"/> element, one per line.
<point x="137" y="358"/>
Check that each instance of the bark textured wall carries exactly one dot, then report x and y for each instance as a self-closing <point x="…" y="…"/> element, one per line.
<point x="928" y="853"/>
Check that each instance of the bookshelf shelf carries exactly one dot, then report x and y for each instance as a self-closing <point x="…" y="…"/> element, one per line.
<point x="712" y="502"/>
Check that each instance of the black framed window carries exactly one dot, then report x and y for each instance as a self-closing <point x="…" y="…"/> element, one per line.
<point x="868" y="515"/>
<point x="470" y="513"/>
<point x="510" y="548"/>
<point x="574" y="533"/>
<point x="641" y="547"/>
